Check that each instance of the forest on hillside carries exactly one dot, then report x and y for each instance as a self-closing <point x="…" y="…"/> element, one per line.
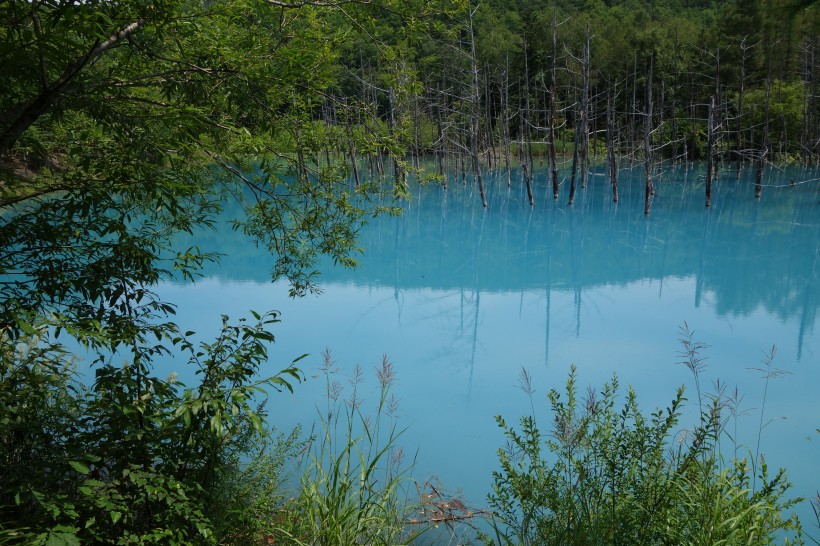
<point x="127" y="123"/>
<point x="727" y="82"/>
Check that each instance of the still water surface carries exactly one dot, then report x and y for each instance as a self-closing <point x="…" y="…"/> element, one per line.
<point x="461" y="298"/>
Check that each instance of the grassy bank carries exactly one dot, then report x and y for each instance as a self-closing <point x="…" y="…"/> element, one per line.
<point x="197" y="466"/>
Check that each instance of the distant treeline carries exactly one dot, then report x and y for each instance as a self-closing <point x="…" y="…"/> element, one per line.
<point x="730" y="81"/>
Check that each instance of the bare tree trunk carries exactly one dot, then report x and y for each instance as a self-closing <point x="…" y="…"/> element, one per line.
<point x="475" y="118"/>
<point x="741" y="89"/>
<point x="647" y="147"/>
<point x="610" y="144"/>
<point x="764" y="145"/>
<point x="710" y="141"/>
<point x="805" y="132"/>
<point x="576" y="141"/>
<point x="488" y="117"/>
<point x="505" y="92"/>
<point x="351" y="146"/>
<point x="398" y="172"/>
<point x="526" y="153"/>
<point x="553" y="98"/>
<point x="442" y="138"/>
<point x="416" y="129"/>
<point x="693" y="121"/>
<point x="661" y="106"/>
<point x="585" y="111"/>
<point x="634" y="110"/>
<point x="574" y="171"/>
<point x="674" y="113"/>
<point x="716" y="112"/>
<point x="814" y="86"/>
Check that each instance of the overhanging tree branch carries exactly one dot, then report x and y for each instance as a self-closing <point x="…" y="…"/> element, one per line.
<point x="25" y="115"/>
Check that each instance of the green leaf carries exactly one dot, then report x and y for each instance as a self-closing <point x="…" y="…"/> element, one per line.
<point x="115" y="516"/>
<point x="62" y="535"/>
<point x="80" y="467"/>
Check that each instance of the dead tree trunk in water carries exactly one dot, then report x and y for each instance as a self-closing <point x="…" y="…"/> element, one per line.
<point x="574" y="171"/>
<point x="647" y="147"/>
<point x="576" y="143"/>
<point x="633" y="132"/>
<point x="505" y="91"/>
<point x="610" y="144"/>
<point x="715" y="106"/>
<point x="741" y="89"/>
<point x="764" y="145"/>
<point x="475" y="119"/>
<point x="710" y="142"/>
<point x="553" y="95"/>
<point x="585" y="112"/>
<point x="392" y="121"/>
<point x="488" y="118"/>
<point x="353" y="160"/>
<point x="416" y="130"/>
<point x="764" y="149"/>
<point x="442" y="138"/>
<point x="808" y="109"/>
<point x="526" y="152"/>
<point x="673" y="110"/>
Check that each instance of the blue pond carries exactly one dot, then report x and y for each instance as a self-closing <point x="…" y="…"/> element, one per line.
<point x="461" y="298"/>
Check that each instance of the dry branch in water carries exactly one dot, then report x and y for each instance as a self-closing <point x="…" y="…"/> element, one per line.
<point x="437" y="506"/>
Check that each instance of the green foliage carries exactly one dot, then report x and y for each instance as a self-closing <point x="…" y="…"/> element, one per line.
<point x="611" y="475"/>
<point x="785" y="106"/>
<point x="248" y="503"/>
<point x="137" y="459"/>
<point x="351" y="491"/>
<point x="124" y="124"/>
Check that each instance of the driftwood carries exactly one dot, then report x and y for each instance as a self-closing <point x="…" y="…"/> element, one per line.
<point x="437" y="507"/>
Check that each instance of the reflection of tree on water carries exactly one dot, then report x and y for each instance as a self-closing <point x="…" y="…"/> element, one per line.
<point x="745" y="254"/>
<point x="704" y="245"/>
<point x="809" y="300"/>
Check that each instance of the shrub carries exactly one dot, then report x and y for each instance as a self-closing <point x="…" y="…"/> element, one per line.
<point x="137" y="459"/>
<point x="607" y="474"/>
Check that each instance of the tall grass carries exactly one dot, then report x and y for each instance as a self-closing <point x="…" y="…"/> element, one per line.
<point x="598" y="471"/>
<point x="353" y="487"/>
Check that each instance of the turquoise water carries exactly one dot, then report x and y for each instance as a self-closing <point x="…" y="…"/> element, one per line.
<point x="461" y="298"/>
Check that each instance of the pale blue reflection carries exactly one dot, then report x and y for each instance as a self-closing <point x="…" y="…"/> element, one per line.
<point x="461" y="298"/>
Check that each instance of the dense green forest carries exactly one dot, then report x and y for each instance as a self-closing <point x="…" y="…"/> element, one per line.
<point x="124" y="123"/>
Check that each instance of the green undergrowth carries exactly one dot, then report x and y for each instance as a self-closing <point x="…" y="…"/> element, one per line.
<point x="601" y="471"/>
<point x="134" y="459"/>
<point x="353" y="485"/>
<point x="596" y="469"/>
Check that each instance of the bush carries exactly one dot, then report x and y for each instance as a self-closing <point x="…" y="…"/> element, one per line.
<point x="610" y="475"/>
<point x="136" y="459"/>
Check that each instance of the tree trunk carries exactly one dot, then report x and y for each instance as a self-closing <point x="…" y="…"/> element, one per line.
<point x="647" y="147"/>
<point x="585" y="111"/>
<point x="741" y="89"/>
<point x="526" y="153"/>
<point x="505" y="92"/>
<point x="764" y="145"/>
<point x="610" y="146"/>
<point x="710" y="141"/>
<point x="24" y="115"/>
<point x="553" y="98"/>
<point x="475" y="118"/>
